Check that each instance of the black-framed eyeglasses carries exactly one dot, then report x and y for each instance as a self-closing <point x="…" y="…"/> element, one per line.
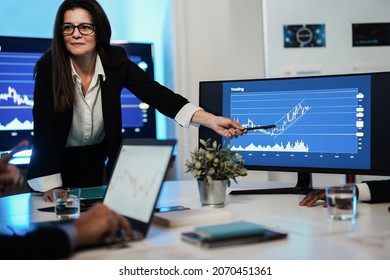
<point x="83" y="28"/>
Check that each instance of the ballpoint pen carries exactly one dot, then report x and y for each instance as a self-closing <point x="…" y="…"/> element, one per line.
<point x="261" y="127"/>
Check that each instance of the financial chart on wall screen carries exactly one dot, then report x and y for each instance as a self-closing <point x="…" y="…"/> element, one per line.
<point x="16" y="90"/>
<point x="318" y="121"/>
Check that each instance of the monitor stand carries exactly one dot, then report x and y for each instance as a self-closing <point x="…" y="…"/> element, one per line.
<point x="303" y="186"/>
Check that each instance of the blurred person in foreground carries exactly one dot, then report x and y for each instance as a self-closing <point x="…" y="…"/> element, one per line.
<point x="56" y="242"/>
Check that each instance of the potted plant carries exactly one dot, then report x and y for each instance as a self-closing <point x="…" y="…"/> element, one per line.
<point x="214" y="166"/>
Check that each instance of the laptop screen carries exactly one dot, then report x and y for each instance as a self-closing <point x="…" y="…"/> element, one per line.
<point x="136" y="180"/>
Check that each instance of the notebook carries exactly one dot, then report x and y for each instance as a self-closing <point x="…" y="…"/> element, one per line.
<point x="233" y="233"/>
<point x="135" y="184"/>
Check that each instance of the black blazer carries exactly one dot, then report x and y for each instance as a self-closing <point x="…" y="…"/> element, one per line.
<point x="36" y="245"/>
<point x="380" y="191"/>
<point x="51" y="129"/>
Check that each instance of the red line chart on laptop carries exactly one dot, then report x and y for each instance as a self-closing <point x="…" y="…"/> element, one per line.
<point x="136" y="181"/>
<point x="137" y="186"/>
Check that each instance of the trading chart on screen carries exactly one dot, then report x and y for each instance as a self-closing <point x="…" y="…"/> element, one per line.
<point x="326" y="119"/>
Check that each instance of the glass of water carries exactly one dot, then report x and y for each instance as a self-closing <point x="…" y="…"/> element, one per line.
<point x="67" y="203"/>
<point x="341" y="201"/>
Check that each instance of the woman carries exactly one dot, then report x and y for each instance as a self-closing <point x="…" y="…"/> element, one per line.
<point x="77" y="114"/>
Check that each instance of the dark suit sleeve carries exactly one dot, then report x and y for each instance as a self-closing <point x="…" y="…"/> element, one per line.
<point x="132" y="77"/>
<point x="380" y="191"/>
<point x="44" y="243"/>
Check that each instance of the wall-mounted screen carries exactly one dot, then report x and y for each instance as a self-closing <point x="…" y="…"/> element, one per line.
<point x="370" y="34"/>
<point x="17" y="61"/>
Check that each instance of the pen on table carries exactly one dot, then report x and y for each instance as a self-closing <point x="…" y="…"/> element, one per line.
<point x="261" y="127"/>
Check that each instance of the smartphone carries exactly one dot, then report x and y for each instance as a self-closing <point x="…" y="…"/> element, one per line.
<point x="170" y="208"/>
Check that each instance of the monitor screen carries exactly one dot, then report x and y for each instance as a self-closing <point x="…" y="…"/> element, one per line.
<point x="323" y="124"/>
<point x="18" y="56"/>
<point x="17" y="61"/>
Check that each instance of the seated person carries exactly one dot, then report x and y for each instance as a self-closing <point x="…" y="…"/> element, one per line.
<point x="92" y="227"/>
<point x="368" y="191"/>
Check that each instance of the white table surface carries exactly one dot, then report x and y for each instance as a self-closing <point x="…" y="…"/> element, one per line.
<point x="310" y="234"/>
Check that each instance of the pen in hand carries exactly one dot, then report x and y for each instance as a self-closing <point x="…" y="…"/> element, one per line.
<point x="261" y="127"/>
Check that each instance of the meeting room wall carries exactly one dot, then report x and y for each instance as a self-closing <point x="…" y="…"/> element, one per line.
<point x="304" y="37"/>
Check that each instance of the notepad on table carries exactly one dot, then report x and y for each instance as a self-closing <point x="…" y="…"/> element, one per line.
<point x="229" y="230"/>
<point x="195" y="216"/>
<point x="230" y="234"/>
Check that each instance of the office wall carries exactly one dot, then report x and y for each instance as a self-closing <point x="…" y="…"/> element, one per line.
<point x="337" y="55"/>
<point x="213" y="40"/>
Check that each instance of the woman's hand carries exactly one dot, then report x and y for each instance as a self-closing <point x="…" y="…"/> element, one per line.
<point x="225" y="127"/>
<point x="48" y="196"/>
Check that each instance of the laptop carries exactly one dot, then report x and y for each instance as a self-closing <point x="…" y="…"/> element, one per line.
<point x="137" y="179"/>
<point x="135" y="184"/>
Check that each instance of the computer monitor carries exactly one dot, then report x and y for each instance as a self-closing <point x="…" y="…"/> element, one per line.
<point x="18" y="56"/>
<point x="323" y="124"/>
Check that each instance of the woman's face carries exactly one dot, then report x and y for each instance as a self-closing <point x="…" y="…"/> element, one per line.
<point x="79" y="45"/>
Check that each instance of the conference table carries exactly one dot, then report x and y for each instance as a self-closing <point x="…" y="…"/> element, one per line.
<point x="311" y="235"/>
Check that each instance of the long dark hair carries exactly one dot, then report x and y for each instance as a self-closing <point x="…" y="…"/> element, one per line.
<point x="63" y="87"/>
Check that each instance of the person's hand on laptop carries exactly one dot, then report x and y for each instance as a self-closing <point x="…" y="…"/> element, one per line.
<point x="98" y="223"/>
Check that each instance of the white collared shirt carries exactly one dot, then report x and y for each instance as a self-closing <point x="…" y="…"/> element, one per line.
<point x="87" y="125"/>
<point x="364" y="192"/>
